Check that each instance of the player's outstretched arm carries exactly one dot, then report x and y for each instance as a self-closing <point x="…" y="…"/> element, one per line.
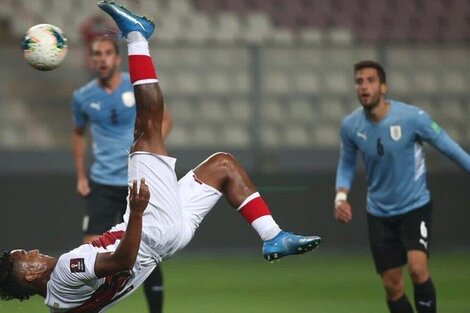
<point x="125" y="255"/>
<point x="450" y="148"/>
<point x="431" y="132"/>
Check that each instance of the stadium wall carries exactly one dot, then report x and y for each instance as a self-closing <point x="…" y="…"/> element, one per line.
<point x="41" y="209"/>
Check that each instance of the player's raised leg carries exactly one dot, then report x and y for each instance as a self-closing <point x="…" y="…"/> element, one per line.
<point x="149" y="99"/>
<point x="221" y="171"/>
<point x="149" y="108"/>
<point x="224" y="173"/>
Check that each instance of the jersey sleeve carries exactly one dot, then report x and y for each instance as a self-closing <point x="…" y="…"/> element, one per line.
<point x="429" y="131"/>
<point x="79" y="118"/>
<point x="76" y="268"/>
<point x="347" y="159"/>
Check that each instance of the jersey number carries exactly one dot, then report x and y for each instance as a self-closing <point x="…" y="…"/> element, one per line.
<point x="114" y="117"/>
<point x="380" y="147"/>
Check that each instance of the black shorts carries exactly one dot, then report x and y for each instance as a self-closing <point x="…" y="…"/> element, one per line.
<point x="104" y="208"/>
<point x="391" y="237"/>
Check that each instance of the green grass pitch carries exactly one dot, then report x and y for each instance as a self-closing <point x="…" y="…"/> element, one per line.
<point x="319" y="282"/>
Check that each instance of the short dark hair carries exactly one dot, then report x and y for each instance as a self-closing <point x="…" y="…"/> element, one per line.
<point x="372" y="64"/>
<point x="10" y="286"/>
<point x="112" y="40"/>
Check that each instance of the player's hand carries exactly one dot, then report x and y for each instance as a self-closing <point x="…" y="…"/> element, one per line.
<point x="83" y="187"/>
<point x="343" y="212"/>
<point x="139" y="197"/>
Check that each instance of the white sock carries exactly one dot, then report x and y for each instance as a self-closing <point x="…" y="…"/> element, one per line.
<point x="266" y="227"/>
<point x="137" y="44"/>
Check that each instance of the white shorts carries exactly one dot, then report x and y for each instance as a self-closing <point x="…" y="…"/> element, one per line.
<point x="176" y="208"/>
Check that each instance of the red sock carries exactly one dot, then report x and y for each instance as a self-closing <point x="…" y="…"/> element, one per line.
<point x="141" y="69"/>
<point x="253" y="208"/>
<point x="258" y="215"/>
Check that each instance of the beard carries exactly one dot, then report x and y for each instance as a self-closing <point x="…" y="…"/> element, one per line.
<point x="107" y="74"/>
<point x="370" y="104"/>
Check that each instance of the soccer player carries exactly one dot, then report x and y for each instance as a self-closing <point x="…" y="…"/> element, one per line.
<point x="389" y="136"/>
<point x="107" y="105"/>
<point x="96" y="275"/>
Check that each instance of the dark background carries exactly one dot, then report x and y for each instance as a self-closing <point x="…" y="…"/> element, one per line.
<point x="272" y="89"/>
<point x="41" y="210"/>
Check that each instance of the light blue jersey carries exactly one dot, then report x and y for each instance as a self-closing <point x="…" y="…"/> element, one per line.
<point x="111" y="118"/>
<point x="393" y="156"/>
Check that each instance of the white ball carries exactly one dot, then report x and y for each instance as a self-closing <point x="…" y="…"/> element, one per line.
<point x="44" y="46"/>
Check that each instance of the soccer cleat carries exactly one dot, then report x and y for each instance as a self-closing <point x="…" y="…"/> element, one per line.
<point x="126" y="20"/>
<point x="287" y="243"/>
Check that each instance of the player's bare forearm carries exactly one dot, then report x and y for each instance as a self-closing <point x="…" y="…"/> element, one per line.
<point x="78" y="151"/>
<point x="125" y="255"/>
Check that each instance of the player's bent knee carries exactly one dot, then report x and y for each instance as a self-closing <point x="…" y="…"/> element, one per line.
<point x="394" y="289"/>
<point x="418" y="273"/>
<point x="393" y="283"/>
<point x="222" y="159"/>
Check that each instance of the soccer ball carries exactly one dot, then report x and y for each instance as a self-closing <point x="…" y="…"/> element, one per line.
<point x="44" y="46"/>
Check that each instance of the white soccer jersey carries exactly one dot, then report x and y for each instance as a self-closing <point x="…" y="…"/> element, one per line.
<point x="74" y="287"/>
<point x="175" y="210"/>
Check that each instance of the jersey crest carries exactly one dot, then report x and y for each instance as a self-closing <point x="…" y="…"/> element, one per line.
<point x="128" y="99"/>
<point x="395" y="132"/>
